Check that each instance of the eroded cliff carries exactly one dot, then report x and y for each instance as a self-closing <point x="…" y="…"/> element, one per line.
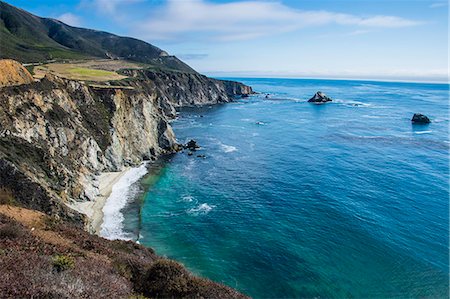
<point x="56" y="135"/>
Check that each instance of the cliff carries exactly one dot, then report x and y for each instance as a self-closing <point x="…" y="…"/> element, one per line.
<point x="56" y="135"/>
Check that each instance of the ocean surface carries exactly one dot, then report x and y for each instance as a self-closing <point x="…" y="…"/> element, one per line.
<point x="292" y="199"/>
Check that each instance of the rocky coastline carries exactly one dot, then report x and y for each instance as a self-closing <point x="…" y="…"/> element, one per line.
<point x="63" y="143"/>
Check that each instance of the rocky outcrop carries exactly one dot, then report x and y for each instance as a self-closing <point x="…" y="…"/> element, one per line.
<point x="176" y="89"/>
<point x="319" y="98"/>
<point x="420" y="119"/>
<point x="191" y="145"/>
<point x="13" y="73"/>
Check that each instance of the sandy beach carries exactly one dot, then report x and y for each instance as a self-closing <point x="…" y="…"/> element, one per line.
<point x="94" y="209"/>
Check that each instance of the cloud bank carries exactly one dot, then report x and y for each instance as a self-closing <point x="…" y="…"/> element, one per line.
<point x="246" y="20"/>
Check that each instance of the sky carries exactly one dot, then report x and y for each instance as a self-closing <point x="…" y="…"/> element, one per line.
<point x="361" y="39"/>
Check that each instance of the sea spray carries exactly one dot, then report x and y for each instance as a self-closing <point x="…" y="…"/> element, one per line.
<point x="122" y="192"/>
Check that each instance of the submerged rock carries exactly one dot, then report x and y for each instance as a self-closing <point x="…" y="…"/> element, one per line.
<point x="319" y="98"/>
<point x="420" y="119"/>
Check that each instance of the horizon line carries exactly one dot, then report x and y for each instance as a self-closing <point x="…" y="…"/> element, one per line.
<point x="442" y="82"/>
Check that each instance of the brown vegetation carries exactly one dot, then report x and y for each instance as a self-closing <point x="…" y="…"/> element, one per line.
<point x="13" y="73"/>
<point x="59" y="260"/>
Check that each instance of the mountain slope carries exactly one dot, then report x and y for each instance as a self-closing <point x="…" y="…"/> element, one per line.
<point x="28" y="38"/>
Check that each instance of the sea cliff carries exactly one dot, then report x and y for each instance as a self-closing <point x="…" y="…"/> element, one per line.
<point x="58" y="134"/>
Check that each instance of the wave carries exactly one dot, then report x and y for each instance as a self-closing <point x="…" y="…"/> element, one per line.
<point x="122" y="192"/>
<point x="423" y="132"/>
<point x="228" y="148"/>
<point x="351" y="103"/>
<point x="202" y="209"/>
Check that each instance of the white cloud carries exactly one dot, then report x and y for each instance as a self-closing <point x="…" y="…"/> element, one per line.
<point x="438" y="4"/>
<point x="70" y="19"/>
<point x="246" y="20"/>
<point x="106" y="6"/>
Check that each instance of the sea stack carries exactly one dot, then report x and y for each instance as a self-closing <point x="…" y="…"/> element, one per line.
<point x="420" y="119"/>
<point x="319" y="98"/>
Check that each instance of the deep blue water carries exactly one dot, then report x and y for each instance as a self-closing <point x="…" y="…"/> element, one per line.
<point x="346" y="199"/>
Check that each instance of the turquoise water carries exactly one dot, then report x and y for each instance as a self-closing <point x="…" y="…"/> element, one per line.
<point x="347" y="199"/>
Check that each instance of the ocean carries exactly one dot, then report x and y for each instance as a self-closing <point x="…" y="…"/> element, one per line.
<point x="296" y="200"/>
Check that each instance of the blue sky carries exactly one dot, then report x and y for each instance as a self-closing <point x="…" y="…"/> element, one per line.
<point x="366" y="39"/>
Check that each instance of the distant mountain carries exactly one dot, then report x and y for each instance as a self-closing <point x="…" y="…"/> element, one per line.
<point x="28" y="38"/>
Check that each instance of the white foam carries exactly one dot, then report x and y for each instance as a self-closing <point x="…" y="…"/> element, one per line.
<point x="188" y="198"/>
<point x="228" y="148"/>
<point x="122" y="192"/>
<point x="202" y="209"/>
<point x="423" y="132"/>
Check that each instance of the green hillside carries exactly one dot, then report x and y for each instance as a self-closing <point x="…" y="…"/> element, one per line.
<point x="28" y="38"/>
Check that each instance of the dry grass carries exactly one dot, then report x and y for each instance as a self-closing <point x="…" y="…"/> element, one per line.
<point x="91" y="70"/>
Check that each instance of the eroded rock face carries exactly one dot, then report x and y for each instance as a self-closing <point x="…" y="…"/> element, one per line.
<point x="319" y="98"/>
<point x="420" y="119"/>
<point x="59" y="134"/>
<point x="176" y="90"/>
<point x="13" y="73"/>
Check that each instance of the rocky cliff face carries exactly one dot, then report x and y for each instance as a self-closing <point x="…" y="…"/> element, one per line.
<point x="175" y="90"/>
<point x="57" y="135"/>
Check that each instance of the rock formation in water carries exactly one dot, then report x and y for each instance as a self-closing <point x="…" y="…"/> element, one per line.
<point x="319" y="98"/>
<point x="420" y="119"/>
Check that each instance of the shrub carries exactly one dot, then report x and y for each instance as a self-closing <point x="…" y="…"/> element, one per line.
<point x="167" y="278"/>
<point x="10" y="231"/>
<point x="6" y="197"/>
<point x="63" y="262"/>
<point x="51" y="222"/>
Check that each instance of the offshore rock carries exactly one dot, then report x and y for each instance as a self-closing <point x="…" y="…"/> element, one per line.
<point x="192" y="145"/>
<point x="319" y="98"/>
<point x="420" y="119"/>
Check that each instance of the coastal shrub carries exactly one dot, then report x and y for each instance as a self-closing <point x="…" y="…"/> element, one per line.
<point x="51" y="222"/>
<point x="63" y="262"/>
<point x="166" y="278"/>
<point x="10" y="231"/>
<point x="6" y="197"/>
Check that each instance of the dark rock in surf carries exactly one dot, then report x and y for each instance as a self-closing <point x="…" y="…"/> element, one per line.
<point x="420" y="119"/>
<point x="192" y="145"/>
<point x="319" y="98"/>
